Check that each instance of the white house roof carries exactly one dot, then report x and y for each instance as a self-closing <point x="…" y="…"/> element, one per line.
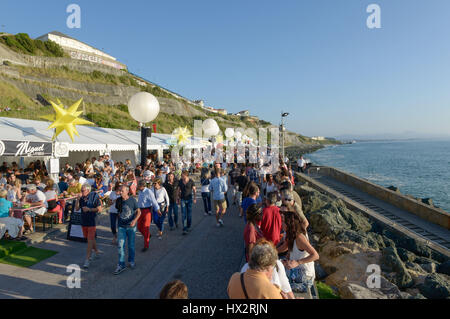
<point x="90" y="139"/>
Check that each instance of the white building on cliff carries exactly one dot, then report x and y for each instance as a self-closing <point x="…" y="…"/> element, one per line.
<point x="81" y="51"/>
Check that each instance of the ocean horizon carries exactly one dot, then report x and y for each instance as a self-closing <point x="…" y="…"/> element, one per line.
<point x="418" y="167"/>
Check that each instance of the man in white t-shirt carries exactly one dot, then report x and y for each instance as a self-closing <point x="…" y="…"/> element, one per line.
<point x="35" y="198"/>
<point x="301" y="163"/>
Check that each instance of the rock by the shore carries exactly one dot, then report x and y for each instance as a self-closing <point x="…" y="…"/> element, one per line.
<point x="429" y="267"/>
<point x="436" y="286"/>
<point x="444" y="268"/>
<point x="394" y="189"/>
<point x="327" y="220"/>
<point x="427" y="201"/>
<point x="348" y="242"/>
<point x="355" y="291"/>
<point x="320" y="272"/>
<point x="405" y="255"/>
<point x="391" y="262"/>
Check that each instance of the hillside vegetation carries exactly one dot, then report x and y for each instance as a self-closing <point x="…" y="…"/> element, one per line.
<point x="22" y="43"/>
<point x="25" y="91"/>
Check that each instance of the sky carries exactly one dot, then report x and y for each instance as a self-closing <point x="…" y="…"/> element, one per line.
<point x="315" y="59"/>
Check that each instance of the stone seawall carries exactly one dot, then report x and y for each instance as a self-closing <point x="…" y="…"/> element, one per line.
<point x="426" y="212"/>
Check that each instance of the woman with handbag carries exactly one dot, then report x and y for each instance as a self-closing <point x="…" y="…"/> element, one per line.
<point x="163" y="202"/>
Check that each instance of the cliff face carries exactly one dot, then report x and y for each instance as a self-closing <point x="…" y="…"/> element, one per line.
<point x="104" y="90"/>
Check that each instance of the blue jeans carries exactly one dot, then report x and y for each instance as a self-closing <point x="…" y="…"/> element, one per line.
<point x="207" y="201"/>
<point x="125" y="233"/>
<point x="173" y="209"/>
<point x="159" y="220"/>
<point x="186" y="212"/>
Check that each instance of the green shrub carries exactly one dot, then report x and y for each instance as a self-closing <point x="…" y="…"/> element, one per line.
<point x="22" y="43"/>
<point x="325" y="291"/>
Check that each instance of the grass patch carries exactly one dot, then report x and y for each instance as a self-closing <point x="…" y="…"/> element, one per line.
<point x="325" y="291"/>
<point x="18" y="254"/>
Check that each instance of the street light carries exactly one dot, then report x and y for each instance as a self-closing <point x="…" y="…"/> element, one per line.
<point x="144" y="108"/>
<point x="283" y="115"/>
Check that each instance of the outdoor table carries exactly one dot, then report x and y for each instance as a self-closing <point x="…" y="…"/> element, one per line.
<point x="19" y="212"/>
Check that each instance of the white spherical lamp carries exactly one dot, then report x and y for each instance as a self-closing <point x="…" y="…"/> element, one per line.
<point x="210" y="128"/>
<point x="229" y="132"/>
<point x="143" y="107"/>
<point x="238" y="135"/>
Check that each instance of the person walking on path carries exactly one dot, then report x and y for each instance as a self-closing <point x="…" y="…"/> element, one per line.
<point x="89" y="204"/>
<point x="206" y="195"/>
<point x="186" y="195"/>
<point x="115" y="194"/>
<point x="129" y="214"/>
<point x="271" y="223"/>
<point x="171" y="186"/>
<point x="146" y="204"/>
<point x="233" y="175"/>
<point x="162" y="198"/>
<point x="219" y="187"/>
<point x="251" y="197"/>
<point x="241" y="182"/>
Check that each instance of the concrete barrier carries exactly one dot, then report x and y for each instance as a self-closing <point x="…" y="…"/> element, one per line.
<point x="426" y="212"/>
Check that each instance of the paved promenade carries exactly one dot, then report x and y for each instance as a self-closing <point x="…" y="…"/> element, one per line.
<point x="204" y="259"/>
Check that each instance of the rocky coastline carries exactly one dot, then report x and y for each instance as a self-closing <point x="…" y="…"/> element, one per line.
<point x="348" y="242"/>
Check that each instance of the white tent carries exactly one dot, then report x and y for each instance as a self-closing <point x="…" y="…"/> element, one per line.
<point x="93" y="141"/>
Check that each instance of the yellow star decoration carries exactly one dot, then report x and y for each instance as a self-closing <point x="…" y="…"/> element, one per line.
<point x="182" y="135"/>
<point x="65" y="119"/>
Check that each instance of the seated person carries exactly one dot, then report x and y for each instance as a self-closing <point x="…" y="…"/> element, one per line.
<point x="14" y="226"/>
<point x="63" y="185"/>
<point x="53" y="204"/>
<point x="74" y="187"/>
<point x="37" y="199"/>
<point x="23" y="177"/>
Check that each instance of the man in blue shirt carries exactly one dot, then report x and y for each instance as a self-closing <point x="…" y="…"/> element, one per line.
<point x="146" y="203"/>
<point x="129" y="214"/>
<point x="219" y="187"/>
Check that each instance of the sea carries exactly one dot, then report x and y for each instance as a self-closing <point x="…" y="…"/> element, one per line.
<point x="417" y="167"/>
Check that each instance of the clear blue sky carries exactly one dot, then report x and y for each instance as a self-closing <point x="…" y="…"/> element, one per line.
<point x="315" y="59"/>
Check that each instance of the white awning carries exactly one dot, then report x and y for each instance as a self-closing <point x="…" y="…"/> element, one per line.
<point x="91" y="138"/>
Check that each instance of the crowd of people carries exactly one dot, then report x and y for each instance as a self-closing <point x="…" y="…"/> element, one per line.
<point x="280" y="258"/>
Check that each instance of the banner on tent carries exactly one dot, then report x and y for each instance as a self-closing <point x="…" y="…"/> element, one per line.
<point x="25" y="148"/>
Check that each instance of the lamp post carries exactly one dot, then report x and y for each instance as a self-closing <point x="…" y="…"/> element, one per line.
<point x="144" y="108"/>
<point x="283" y="129"/>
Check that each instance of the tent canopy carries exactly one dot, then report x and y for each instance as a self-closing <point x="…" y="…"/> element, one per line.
<point x="90" y="139"/>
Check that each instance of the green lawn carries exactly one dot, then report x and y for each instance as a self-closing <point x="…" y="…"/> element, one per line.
<point x="18" y="254"/>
